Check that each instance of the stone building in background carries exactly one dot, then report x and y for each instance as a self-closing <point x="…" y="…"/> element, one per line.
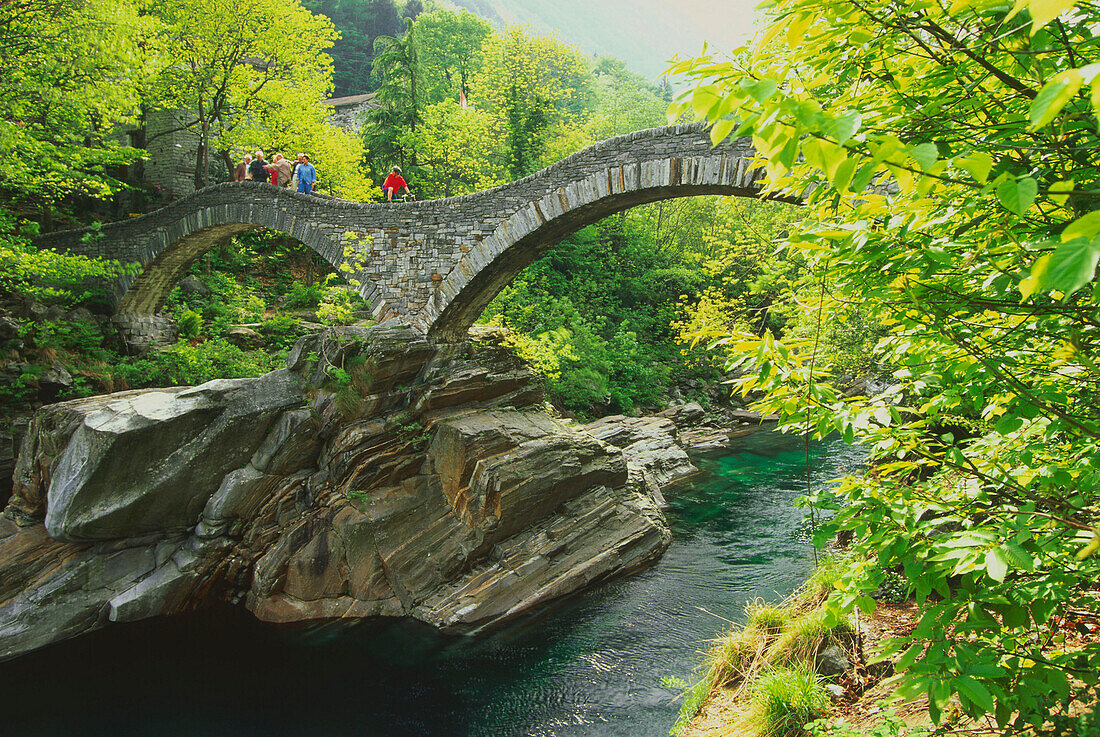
<point x="348" y="112"/>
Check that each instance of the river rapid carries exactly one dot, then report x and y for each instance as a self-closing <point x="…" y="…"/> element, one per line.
<point x="591" y="665"/>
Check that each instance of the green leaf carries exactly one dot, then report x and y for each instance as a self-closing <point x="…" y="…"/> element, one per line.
<point x="995" y="564"/>
<point x="973" y="691"/>
<point x="925" y="155"/>
<point x="1066" y="186"/>
<point x="720" y="130"/>
<point x="1015" y="616"/>
<point x="1044" y="11"/>
<point x="1017" y="194"/>
<point x="1042" y="609"/>
<point x="862" y="178"/>
<point x="1008" y="424"/>
<point x="843" y="127"/>
<point x="1072" y="265"/>
<point x="842" y="176"/>
<point x="1034" y="282"/>
<point x="1086" y="226"/>
<point x="977" y="164"/>
<point x="1053" y="97"/>
<point x="760" y="89"/>
<point x="1017" y="556"/>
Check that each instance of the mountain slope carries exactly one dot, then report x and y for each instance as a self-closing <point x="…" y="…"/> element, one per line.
<point x="643" y="33"/>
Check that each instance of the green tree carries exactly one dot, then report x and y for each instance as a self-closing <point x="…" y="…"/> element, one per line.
<point x="69" y="76"/>
<point x="949" y="158"/>
<point x="458" y="151"/>
<point x="450" y="52"/>
<point x="395" y="64"/>
<point x="622" y="101"/>
<point x="239" y="67"/>
<point x="359" y="23"/>
<point x="531" y="83"/>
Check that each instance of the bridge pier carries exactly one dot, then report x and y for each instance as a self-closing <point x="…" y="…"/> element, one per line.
<point x="140" y="333"/>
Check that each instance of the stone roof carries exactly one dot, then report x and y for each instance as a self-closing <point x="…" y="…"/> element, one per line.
<point x="350" y="100"/>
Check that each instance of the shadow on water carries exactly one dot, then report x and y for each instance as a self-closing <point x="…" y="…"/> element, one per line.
<point x="589" y="665"/>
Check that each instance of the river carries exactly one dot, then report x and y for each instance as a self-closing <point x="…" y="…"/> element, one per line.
<point x="591" y="665"/>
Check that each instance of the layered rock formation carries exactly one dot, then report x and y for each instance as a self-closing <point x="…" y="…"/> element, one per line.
<point x="377" y="475"/>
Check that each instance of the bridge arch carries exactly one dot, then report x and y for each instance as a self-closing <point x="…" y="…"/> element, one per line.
<point x="164" y="244"/>
<point x="535" y="229"/>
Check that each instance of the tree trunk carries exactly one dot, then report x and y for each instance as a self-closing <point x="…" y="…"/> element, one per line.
<point x="230" y="165"/>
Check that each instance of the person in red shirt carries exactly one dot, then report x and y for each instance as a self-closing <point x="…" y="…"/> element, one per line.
<point x="394" y="183"/>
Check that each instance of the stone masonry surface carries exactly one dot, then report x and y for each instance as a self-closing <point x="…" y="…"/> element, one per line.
<point x="436" y="263"/>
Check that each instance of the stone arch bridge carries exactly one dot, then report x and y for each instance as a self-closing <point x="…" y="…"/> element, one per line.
<point x="435" y="264"/>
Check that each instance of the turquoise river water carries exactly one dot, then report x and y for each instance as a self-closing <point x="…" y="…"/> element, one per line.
<point x="591" y="665"/>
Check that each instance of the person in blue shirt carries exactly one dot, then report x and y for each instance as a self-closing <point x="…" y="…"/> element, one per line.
<point x="306" y="173"/>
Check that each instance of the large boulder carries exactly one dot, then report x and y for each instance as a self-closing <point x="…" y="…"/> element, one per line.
<point x="148" y="463"/>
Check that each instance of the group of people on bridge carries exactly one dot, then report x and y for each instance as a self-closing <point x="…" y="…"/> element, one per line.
<point x="301" y="176"/>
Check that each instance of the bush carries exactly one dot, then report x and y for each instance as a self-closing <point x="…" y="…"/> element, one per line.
<point x="282" y="331"/>
<point x="195" y="364"/>
<point x="49" y="277"/>
<point x="889" y="726"/>
<point x="189" y="323"/>
<point x="63" y="336"/>
<point x="338" y="304"/>
<point x="303" y="296"/>
<point x="582" y="390"/>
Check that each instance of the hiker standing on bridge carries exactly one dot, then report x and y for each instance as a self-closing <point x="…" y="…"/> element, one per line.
<point x="241" y="172"/>
<point x="258" y="168"/>
<point x="394" y="182"/>
<point x="306" y="175"/>
<point x="280" y="171"/>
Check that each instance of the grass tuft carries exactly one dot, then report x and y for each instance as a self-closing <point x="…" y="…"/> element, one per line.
<point x="785" y="700"/>
<point x="766" y="618"/>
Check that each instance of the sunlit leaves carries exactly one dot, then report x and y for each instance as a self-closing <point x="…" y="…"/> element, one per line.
<point x="244" y="81"/>
<point x="1086" y="226"/>
<point x="962" y="212"/>
<point x="977" y="164"/>
<point x="1044" y="11"/>
<point x="1071" y="266"/>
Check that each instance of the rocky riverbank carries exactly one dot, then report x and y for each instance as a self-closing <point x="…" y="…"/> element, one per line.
<point x="378" y="475"/>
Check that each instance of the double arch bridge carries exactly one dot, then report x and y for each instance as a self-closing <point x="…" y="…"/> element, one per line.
<point x="434" y="264"/>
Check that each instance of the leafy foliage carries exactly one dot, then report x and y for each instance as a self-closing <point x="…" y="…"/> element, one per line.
<point x="50" y="277"/>
<point x="948" y="159"/>
<point x="601" y="315"/>
<point x="60" y="94"/>
<point x="359" y="23"/>
<point x="890" y="725"/>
